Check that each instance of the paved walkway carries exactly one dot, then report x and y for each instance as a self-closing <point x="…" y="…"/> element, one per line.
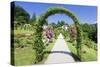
<point x="60" y="52"/>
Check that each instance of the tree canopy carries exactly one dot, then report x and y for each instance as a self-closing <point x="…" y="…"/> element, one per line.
<point x="90" y="30"/>
<point x="20" y="15"/>
<point x="33" y="19"/>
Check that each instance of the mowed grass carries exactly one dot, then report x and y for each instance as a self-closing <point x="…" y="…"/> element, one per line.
<point x="24" y="56"/>
<point x="72" y="48"/>
<point x="87" y="54"/>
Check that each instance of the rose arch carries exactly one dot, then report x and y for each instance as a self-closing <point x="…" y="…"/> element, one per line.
<point x="59" y="10"/>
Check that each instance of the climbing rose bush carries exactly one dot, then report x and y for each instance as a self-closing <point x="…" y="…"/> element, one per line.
<point x="73" y="33"/>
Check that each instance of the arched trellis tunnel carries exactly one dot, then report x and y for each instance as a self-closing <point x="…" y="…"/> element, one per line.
<point x="59" y="10"/>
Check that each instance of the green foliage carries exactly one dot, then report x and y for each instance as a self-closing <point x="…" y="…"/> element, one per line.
<point x="38" y="47"/>
<point x="72" y="48"/>
<point x="47" y="50"/>
<point x="85" y="33"/>
<point x="54" y="10"/>
<point x="27" y="27"/>
<point x="90" y="44"/>
<point x="79" y="42"/>
<point x="60" y="23"/>
<point x="57" y="28"/>
<point x="20" y="16"/>
<point x="24" y="56"/>
<point x="21" y="42"/>
<point x="65" y="34"/>
<point x="56" y="32"/>
<point x="87" y="54"/>
<point x="73" y="32"/>
<point x="33" y="19"/>
<point x="22" y="38"/>
<point x="90" y="30"/>
<point x="61" y="10"/>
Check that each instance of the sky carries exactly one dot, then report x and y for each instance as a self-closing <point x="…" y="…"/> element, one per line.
<point x="85" y="14"/>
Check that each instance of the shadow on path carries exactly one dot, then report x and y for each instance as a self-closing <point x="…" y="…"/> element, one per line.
<point x="64" y="52"/>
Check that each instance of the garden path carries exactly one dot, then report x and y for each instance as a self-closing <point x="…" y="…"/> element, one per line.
<point x="60" y="53"/>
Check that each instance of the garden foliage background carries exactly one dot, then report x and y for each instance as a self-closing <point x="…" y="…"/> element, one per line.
<point x="5" y="30"/>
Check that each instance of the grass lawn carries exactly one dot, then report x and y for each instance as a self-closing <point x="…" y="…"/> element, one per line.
<point x="72" y="48"/>
<point x="24" y="56"/>
<point x="88" y="54"/>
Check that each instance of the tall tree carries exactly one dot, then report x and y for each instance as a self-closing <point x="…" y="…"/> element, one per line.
<point x="33" y="19"/>
<point x="20" y="15"/>
<point x="90" y="30"/>
<point x="60" y="23"/>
